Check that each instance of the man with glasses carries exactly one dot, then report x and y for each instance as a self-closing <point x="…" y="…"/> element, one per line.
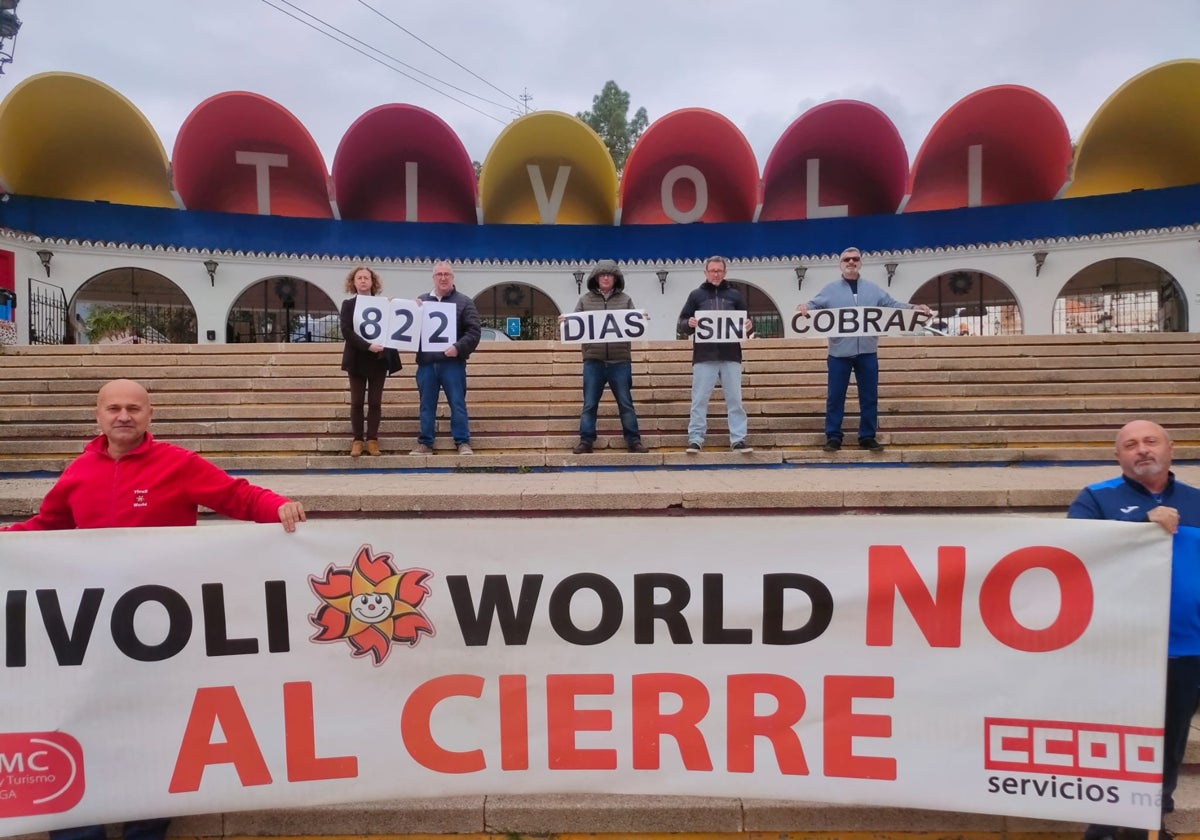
<point x="714" y="362"/>
<point x="855" y="354"/>
<point x="446" y="370"/>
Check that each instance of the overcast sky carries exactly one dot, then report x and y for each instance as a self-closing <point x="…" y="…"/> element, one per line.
<point x="761" y="63"/>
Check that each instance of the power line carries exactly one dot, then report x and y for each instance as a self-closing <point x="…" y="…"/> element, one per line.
<point x="383" y="63"/>
<point x="389" y="57"/>
<point x="436" y="50"/>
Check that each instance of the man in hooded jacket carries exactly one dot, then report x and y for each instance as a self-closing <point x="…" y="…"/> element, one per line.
<point x="607" y="363"/>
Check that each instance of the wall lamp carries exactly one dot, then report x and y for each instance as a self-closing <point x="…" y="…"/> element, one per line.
<point x="211" y="267"/>
<point x="45" y="257"/>
<point x="578" y="275"/>
<point x="662" y="279"/>
<point x="890" y="268"/>
<point x="800" y="272"/>
<point x="1039" y="260"/>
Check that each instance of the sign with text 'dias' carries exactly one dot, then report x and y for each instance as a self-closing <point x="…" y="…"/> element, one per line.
<point x="602" y="326"/>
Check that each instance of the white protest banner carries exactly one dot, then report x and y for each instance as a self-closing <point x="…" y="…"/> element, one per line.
<point x="602" y="327"/>
<point x="924" y="662"/>
<point x="439" y="326"/>
<point x="851" y="321"/>
<point x="720" y="325"/>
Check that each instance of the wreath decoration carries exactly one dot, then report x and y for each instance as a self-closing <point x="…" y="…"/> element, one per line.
<point x="513" y="295"/>
<point x="961" y="283"/>
<point x="285" y="289"/>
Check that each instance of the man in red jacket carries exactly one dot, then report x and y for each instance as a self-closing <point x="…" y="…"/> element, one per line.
<point x="127" y="479"/>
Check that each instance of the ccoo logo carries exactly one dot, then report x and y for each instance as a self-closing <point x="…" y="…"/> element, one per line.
<point x="40" y="773"/>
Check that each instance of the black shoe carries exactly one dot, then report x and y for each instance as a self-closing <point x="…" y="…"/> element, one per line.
<point x="832" y="445"/>
<point x="582" y="448"/>
<point x="694" y="448"/>
<point x="870" y="444"/>
<point x="742" y="447"/>
<point x="638" y="448"/>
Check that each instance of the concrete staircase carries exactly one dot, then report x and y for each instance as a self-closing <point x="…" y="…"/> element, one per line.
<point x="279" y="408"/>
<point x="961" y="409"/>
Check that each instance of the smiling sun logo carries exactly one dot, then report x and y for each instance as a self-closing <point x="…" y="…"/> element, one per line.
<point x="371" y="605"/>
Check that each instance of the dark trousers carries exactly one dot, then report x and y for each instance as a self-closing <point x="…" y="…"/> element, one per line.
<point x="865" y="368"/>
<point x="133" y="830"/>
<point x="1183" y="695"/>
<point x="619" y="378"/>
<point x="372" y="391"/>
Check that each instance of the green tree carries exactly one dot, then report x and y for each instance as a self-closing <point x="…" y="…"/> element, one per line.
<point x="609" y="118"/>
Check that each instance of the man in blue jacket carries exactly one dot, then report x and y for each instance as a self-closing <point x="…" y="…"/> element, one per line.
<point x="856" y="354"/>
<point x="1146" y="491"/>
<point x="446" y="370"/>
<point x="714" y="362"/>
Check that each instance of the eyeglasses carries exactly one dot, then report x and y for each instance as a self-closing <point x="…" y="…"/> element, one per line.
<point x="851" y="259"/>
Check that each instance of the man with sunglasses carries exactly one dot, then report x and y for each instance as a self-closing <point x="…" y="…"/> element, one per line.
<point x="855" y="354"/>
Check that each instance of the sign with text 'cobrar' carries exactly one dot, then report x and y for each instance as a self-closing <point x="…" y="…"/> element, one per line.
<point x="925" y="662"/>
<point x="855" y="321"/>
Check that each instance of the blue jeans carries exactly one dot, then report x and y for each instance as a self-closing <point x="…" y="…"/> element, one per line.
<point x="619" y="378"/>
<point x="866" y="375"/>
<point x="705" y="376"/>
<point x="133" y="830"/>
<point x="450" y="376"/>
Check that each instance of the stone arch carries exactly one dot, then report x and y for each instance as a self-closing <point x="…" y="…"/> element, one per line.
<point x="1120" y="294"/>
<point x="282" y="308"/>
<point x="761" y="308"/>
<point x="515" y="299"/>
<point x="970" y="302"/>
<point x="132" y="305"/>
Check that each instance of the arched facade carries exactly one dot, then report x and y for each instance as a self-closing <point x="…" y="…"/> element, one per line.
<point x="283" y="308"/>
<point x="1121" y="295"/>
<point x="969" y="302"/>
<point x="132" y="305"/>
<point x="537" y="311"/>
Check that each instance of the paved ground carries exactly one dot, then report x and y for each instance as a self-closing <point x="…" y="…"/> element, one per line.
<point x="794" y="489"/>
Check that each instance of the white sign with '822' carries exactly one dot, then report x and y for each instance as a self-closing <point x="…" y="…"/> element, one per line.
<point x="406" y="324"/>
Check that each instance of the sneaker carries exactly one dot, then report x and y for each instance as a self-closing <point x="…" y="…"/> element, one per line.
<point x="694" y="448"/>
<point x="742" y="447"/>
<point x="421" y="449"/>
<point x="870" y="444"/>
<point x="582" y="448"/>
<point x="832" y="444"/>
<point x="465" y="449"/>
<point x="637" y="447"/>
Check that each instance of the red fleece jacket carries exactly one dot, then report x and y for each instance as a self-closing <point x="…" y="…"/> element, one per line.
<point x="155" y="484"/>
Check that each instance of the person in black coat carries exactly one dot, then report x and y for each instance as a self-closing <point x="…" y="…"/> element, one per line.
<point x="366" y="363"/>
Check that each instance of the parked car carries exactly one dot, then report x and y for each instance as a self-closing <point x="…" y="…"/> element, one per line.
<point x="493" y="334"/>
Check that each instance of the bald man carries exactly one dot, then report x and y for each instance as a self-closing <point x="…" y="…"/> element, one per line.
<point x="127" y="479"/>
<point x="157" y="483"/>
<point x="1147" y="491"/>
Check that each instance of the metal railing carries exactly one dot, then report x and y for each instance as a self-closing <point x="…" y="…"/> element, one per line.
<point x="48" y="317"/>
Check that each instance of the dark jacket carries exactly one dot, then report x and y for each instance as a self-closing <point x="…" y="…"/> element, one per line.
<point x="592" y="300"/>
<point x="468" y="327"/>
<point x="708" y="297"/>
<point x="357" y="358"/>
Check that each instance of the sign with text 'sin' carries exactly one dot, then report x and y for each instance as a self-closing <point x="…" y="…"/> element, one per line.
<point x="925" y="662"/>
<point x="857" y="321"/>
<point x="405" y="324"/>
<point x="718" y="325"/>
<point x="602" y="326"/>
